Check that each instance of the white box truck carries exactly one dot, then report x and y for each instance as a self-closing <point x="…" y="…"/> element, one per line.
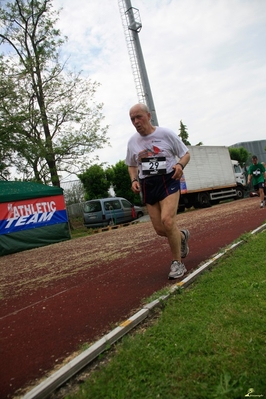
<point x="209" y="177"/>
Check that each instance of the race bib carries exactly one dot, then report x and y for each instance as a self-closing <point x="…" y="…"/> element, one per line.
<point x="153" y="166"/>
<point x="256" y="172"/>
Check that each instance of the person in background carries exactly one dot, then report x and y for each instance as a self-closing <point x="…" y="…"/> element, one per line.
<point x="256" y="174"/>
<point x="152" y="154"/>
<point x="264" y="164"/>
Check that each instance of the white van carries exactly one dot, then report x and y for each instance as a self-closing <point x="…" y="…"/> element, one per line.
<point x="110" y="211"/>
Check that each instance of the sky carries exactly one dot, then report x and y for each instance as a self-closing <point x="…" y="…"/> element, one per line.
<point x="205" y="59"/>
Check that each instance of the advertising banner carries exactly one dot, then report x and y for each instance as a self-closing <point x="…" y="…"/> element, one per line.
<point x="32" y="213"/>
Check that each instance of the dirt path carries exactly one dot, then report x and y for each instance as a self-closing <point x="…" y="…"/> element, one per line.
<point x="55" y="298"/>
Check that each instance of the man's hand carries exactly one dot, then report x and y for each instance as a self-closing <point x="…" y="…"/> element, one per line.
<point x="135" y="187"/>
<point x="178" y="172"/>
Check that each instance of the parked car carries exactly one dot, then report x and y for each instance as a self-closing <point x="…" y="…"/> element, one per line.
<point x="110" y="211"/>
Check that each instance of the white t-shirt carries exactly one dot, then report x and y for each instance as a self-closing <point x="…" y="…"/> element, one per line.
<point x="163" y="144"/>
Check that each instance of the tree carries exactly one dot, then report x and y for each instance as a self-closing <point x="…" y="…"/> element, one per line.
<point x="239" y="154"/>
<point x="184" y="134"/>
<point x="4" y="174"/>
<point x="74" y="193"/>
<point x="95" y="182"/>
<point x="6" y="90"/>
<point x="120" y="180"/>
<point x="48" y="118"/>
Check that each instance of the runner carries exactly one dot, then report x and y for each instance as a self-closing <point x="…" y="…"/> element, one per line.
<point x="152" y="154"/>
<point x="256" y="173"/>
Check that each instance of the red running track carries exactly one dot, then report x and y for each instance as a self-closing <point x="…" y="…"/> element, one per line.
<point x="45" y="317"/>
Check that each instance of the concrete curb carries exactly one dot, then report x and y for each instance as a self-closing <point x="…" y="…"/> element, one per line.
<point x="57" y="379"/>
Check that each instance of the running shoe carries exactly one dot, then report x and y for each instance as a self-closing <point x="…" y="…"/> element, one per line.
<point x="177" y="270"/>
<point x="262" y="204"/>
<point x="184" y="243"/>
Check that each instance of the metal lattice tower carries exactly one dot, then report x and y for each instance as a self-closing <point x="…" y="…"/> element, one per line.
<point x="132" y="26"/>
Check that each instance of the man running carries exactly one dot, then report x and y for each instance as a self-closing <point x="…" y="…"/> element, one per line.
<point x="256" y="173"/>
<point x="152" y="154"/>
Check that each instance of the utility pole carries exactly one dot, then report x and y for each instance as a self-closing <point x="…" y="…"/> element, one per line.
<point x="132" y="26"/>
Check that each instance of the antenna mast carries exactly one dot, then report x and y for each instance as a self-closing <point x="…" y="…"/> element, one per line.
<point x="132" y="26"/>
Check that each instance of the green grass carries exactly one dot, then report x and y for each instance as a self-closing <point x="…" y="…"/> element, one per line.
<point x="209" y="340"/>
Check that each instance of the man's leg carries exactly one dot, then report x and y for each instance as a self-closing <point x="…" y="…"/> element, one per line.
<point x="163" y="217"/>
<point x="261" y="194"/>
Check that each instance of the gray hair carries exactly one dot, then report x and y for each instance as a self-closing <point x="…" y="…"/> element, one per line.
<point x="142" y="106"/>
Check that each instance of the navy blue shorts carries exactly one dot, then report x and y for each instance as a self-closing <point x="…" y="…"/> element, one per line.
<point x="259" y="185"/>
<point x="156" y="188"/>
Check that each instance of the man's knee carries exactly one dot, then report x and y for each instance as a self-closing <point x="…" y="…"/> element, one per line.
<point x="161" y="227"/>
<point x="168" y="222"/>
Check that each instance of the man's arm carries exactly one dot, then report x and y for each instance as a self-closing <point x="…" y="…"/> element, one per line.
<point x="181" y="164"/>
<point x="249" y="175"/>
<point x="185" y="159"/>
<point x="264" y="165"/>
<point x="133" y="173"/>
